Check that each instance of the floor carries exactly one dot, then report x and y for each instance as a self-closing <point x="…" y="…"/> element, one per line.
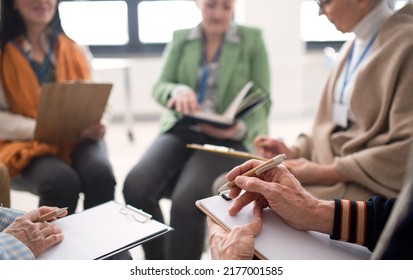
<point x="125" y="152"/>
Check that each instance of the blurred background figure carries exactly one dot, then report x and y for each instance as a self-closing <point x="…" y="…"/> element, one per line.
<point x="204" y="69"/>
<point x="35" y="50"/>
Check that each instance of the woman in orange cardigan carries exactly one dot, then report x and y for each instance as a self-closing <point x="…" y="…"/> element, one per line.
<point x="35" y="50"/>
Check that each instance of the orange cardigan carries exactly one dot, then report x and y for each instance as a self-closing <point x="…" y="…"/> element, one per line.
<point x="23" y="94"/>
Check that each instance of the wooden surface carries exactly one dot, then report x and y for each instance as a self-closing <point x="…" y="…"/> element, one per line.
<point x="224" y="151"/>
<point x="68" y="108"/>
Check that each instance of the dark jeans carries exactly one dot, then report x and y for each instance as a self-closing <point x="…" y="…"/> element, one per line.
<point x="169" y="169"/>
<point x="59" y="184"/>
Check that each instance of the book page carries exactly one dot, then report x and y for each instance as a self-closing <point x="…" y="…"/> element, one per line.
<point x="251" y="102"/>
<point x="231" y="110"/>
<point x="227" y="118"/>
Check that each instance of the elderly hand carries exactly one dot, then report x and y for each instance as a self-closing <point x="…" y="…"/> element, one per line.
<point x="269" y="148"/>
<point x="280" y="190"/>
<point x="238" y="244"/>
<point x="94" y="132"/>
<point x="186" y="102"/>
<point x="308" y="172"/>
<point x="37" y="236"/>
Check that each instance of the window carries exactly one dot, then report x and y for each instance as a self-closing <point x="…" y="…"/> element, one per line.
<point x="318" y="32"/>
<point x="121" y="27"/>
<point x="172" y="14"/>
<point x="318" y="28"/>
<point x="108" y="27"/>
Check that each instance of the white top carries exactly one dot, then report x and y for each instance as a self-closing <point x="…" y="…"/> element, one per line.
<point x="364" y="31"/>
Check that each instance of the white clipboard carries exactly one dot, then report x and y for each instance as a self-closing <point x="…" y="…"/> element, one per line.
<point x="277" y="240"/>
<point x="103" y="231"/>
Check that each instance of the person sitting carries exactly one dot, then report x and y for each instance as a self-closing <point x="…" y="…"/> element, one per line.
<point x="35" y="50"/>
<point x="357" y="150"/>
<point x="204" y="69"/>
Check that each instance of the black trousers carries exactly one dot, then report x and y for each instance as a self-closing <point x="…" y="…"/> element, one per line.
<point x="59" y="184"/>
<point x="169" y="169"/>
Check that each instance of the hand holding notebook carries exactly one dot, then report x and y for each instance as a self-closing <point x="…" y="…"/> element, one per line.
<point x="66" y="109"/>
<point x="244" y="103"/>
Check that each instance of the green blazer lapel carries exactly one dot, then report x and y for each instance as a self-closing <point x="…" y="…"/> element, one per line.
<point x="192" y="58"/>
<point x="227" y="65"/>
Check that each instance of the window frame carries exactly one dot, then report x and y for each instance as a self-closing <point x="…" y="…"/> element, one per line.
<point x="134" y="47"/>
<point x="319" y="45"/>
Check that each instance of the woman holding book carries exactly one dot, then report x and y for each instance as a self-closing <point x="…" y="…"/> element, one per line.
<point x="204" y="70"/>
<point x="35" y="50"/>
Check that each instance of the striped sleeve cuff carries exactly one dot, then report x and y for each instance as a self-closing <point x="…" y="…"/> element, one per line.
<point x="7" y="216"/>
<point x="350" y="220"/>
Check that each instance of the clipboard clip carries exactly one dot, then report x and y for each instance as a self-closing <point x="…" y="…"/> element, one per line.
<point x="135" y="213"/>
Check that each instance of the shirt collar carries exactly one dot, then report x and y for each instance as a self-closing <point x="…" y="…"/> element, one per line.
<point x="372" y="23"/>
<point x="45" y="39"/>
<point x="231" y="34"/>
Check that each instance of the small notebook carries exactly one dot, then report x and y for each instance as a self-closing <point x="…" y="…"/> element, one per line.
<point x="66" y="109"/>
<point x="103" y="231"/>
<point x="279" y="241"/>
<point x="244" y="103"/>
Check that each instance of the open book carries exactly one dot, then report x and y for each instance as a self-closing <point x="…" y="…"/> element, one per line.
<point x="66" y="109"/>
<point x="245" y="102"/>
<point x="277" y="240"/>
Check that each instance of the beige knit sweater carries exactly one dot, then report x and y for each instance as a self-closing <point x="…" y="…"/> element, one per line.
<point x="374" y="150"/>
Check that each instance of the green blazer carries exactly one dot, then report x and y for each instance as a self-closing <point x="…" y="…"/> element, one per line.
<point x="240" y="62"/>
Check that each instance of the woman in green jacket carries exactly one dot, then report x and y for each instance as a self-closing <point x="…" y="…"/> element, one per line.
<point x="204" y="69"/>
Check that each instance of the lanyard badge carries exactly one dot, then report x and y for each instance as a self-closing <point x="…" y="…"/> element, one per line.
<point x="341" y="110"/>
<point x="205" y="73"/>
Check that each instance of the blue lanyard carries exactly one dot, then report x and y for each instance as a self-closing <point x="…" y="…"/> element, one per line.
<point x="205" y="73"/>
<point x="348" y="74"/>
<point x="40" y="71"/>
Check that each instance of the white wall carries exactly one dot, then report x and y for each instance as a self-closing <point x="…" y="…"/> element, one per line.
<point x="297" y="75"/>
